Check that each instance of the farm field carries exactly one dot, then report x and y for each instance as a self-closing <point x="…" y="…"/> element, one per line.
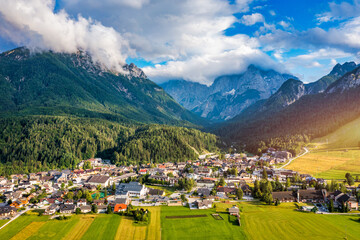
<point x="284" y="222"/>
<point x="2" y="222"/>
<point x="199" y="227"/>
<point x="328" y="163"/>
<point x="333" y="155"/>
<point x="258" y="221"/>
<point x="100" y="226"/>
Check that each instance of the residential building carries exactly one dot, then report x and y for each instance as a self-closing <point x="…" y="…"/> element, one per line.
<point x="132" y="189"/>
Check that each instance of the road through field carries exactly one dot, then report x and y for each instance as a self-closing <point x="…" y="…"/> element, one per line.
<point x="18" y="215"/>
<point x="292" y="159"/>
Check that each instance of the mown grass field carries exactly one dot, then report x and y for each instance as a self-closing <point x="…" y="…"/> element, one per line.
<point x="333" y="155"/>
<point x="328" y="163"/>
<point x="2" y="222"/>
<point x="258" y="221"/>
<point x="197" y="228"/>
<point x="284" y="222"/>
<point x="99" y="226"/>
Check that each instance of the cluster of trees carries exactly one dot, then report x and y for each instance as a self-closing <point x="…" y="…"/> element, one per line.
<point x="239" y="193"/>
<point x="139" y="215"/>
<point x="263" y="191"/>
<point x="30" y="144"/>
<point x="146" y="180"/>
<point x="37" y="198"/>
<point x="185" y="183"/>
<point x="231" y="171"/>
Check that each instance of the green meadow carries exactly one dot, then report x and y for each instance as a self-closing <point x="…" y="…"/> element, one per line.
<point x="198" y="228"/>
<point x="258" y="221"/>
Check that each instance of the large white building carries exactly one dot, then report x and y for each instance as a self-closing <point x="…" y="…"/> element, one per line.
<point x="132" y="189"/>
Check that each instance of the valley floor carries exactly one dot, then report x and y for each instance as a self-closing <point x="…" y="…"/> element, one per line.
<point x="328" y="162"/>
<point x="258" y="221"/>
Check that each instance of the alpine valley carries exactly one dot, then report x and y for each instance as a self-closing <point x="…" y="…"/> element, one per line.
<point x="60" y="108"/>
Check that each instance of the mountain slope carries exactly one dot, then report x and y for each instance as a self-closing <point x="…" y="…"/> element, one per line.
<point x="347" y="135"/>
<point x="229" y="95"/>
<point x="311" y="116"/>
<point x="71" y="84"/>
<point x="40" y="143"/>
<point x="188" y="94"/>
<point x="292" y="90"/>
<point x="338" y="71"/>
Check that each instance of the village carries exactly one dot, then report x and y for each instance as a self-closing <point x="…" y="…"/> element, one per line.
<point x="97" y="186"/>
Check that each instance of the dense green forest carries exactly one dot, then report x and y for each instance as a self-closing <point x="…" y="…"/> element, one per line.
<point x="34" y="143"/>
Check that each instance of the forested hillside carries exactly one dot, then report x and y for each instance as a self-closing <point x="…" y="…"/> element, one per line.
<point x="29" y="144"/>
<point x="310" y="117"/>
<point x="48" y="83"/>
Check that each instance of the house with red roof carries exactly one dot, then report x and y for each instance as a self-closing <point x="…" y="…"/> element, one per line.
<point x="120" y="207"/>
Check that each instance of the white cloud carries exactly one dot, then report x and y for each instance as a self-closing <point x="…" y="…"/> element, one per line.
<point x="284" y="24"/>
<point x="204" y="68"/>
<point x="340" y="11"/>
<point x="187" y="34"/>
<point x="272" y="12"/>
<point x="344" y="37"/>
<point x="333" y="62"/>
<point x="311" y="59"/>
<point x="33" y="23"/>
<point x="252" y="19"/>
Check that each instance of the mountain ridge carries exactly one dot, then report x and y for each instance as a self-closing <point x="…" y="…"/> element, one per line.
<point x="71" y="84"/>
<point x="229" y="95"/>
<point x="290" y="127"/>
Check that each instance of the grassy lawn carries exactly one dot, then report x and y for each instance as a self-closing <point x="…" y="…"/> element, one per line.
<point x="336" y="154"/>
<point x="283" y="222"/>
<point x="2" y="222"/>
<point x="197" y="228"/>
<point x="18" y="225"/>
<point x="167" y="189"/>
<point x="128" y="230"/>
<point x="104" y="226"/>
<point x="258" y="221"/>
<point x="154" y="228"/>
<point x="83" y="226"/>
<point x="328" y="163"/>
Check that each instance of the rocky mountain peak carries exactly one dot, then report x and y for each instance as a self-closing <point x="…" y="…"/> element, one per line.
<point x="348" y="81"/>
<point x="19" y="54"/>
<point x="340" y="69"/>
<point x="134" y="71"/>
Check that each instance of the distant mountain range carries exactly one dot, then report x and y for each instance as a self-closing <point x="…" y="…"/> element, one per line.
<point x="229" y="95"/>
<point x="50" y="83"/>
<point x="296" y="112"/>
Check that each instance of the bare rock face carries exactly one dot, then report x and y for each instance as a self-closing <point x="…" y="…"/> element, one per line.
<point x="229" y="95"/>
<point x="134" y="71"/>
<point x="348" y="81"/>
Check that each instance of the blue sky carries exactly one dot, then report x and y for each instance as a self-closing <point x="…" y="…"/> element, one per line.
<point x="194" y="40"/>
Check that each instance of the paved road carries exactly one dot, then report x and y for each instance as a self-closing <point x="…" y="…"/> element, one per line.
<point x="292" y="159"/>
<point x="17" y="215"/>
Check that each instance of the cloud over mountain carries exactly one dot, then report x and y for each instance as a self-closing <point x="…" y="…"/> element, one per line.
<point x="35" y="24"/>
